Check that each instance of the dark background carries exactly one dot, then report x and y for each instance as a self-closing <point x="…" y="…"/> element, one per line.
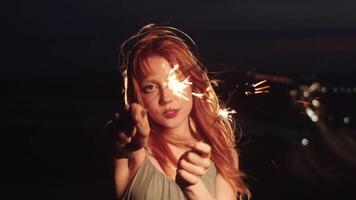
<point x="60" y="83"/>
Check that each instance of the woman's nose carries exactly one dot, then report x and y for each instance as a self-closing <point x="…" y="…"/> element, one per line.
<point x="166" y="95"/>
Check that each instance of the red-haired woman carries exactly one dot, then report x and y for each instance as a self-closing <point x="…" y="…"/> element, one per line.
<point x="178" y="146"/>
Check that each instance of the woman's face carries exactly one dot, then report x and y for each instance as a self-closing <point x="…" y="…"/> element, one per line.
<point x="167" y="109"/>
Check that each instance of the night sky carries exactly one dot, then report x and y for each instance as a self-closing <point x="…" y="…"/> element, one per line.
<point x="60" y="83"/>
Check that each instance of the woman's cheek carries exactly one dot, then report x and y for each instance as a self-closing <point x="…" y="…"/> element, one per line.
<point x="153" y="115"/>
<point x="147" y="100"/>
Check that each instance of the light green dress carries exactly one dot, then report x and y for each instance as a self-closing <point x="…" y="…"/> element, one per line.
<point x="151" y="184"/>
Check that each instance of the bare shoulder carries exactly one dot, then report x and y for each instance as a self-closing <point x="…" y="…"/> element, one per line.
<point x="125" y="170"/>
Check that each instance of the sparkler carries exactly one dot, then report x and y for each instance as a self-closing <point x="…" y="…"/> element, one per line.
<point x="178" y="89"/>
<point x="254" y="89"/>
<point x="227" y="113"/>
<point x="175" y="85"/>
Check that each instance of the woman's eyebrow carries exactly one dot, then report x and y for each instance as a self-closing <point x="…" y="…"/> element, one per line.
<point x="149" y="80"/>
<point x="156" y="78"/>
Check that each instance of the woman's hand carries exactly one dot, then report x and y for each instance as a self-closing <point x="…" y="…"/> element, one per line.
<point x="193" y="164"/>
<point x="135" y="132"/>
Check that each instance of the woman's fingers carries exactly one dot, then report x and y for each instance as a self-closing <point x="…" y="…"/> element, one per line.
<point x="131" y="130"/>
<point x="191" y="168"/>
<point x="123" y="138"/>
<point x="139" y="115"/>
<point x="196" y="159"/>
<point x="185" y="178"/>
<point x="202" y="149"/>
<point x="193" y="164"/>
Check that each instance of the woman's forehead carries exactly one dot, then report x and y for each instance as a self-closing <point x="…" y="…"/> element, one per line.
<point x="158" y="66"/>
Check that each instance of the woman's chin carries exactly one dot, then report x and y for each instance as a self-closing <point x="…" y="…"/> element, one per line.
<point x="168" y="125"/>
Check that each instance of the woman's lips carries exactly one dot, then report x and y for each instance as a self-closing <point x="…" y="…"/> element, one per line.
<point x="170" y="113"/>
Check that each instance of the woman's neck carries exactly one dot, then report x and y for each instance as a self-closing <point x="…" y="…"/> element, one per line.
<point x="183" y="132"/>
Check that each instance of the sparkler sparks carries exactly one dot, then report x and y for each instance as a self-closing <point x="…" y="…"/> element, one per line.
<point x="254" y="89"/>
<point x="227" y="113"/>
<point x="176" y="86"/>
<point x="199" y="95"/>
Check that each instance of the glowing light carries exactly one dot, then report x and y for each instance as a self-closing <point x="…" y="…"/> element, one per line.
<point x="259" y="83"/>
<point x="315" y="118"/>
<point x="175" y="85"/>
<point x="260" y="92"/>
<point x="227" y="113"/>
<point x="316" y="103"/>
<point x="255" y="88"/>
<point x="178" y="88"/>
<point x="312" y="115"/>
<point x="324" y="89"/>
<point x="262" y="89"/>
<point x="347" y="120"/>
<point x="306" y="94"/>
<point x="305" y="141"/>
<point x="199" y="95"/>
<point x="209" y="101"/>
<point x="314" y="87"/>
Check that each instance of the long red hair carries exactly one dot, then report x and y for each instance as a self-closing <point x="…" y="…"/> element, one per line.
<point x="207" y="125"/>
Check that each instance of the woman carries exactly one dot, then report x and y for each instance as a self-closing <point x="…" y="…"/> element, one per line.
<point x="177" y="146"/>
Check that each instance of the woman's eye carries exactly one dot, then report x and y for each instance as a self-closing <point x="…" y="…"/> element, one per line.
<point x="149" y="88"/>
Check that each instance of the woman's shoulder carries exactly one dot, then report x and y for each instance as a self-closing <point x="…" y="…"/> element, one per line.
<point x="125" y="170"/>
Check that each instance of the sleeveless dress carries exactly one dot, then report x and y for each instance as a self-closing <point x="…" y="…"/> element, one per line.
<point x="151" y="184"/>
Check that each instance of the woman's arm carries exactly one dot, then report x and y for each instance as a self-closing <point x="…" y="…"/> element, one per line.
<point x="125" y="169"/>
<point x="130" y="149"/>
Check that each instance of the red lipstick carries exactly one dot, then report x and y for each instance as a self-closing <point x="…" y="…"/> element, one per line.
<point x="170" y="113"/>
